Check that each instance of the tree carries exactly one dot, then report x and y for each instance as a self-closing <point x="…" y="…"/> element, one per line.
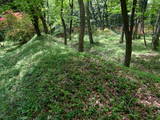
<point x="35" y="23"/>
<point x="106" y="12"/>
<point x="100" y="14"/>
<point x="71" y="18"/>
<point x="93" y="12"/>
<point x="156" y="34"/>
<point x="128" y="29"/>
<point x="143" y="7"/>
<point x="42" y="16"/>
<point x="1" y="36"/>
<point x="35" y="18"/>
<point x="63" y="23"/>
<point x="122" y="35"/>
<point x="82" y="25"/>
<point x="88" y="23"/>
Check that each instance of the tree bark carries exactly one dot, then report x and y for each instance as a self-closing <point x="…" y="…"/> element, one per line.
<point x="89" y="23"/>
<point x="71" y="19"/>
<point x="47" y="18"/>
<point x="82" y="25"/>
<point x="35" y="18"/>
<point x="106" y="12"/>
<point x="156" y="34"/>
<point x="64" y="24"/>
<point x="100" y="15"/>
<point x="128" y="29"/>
<point x="44" y="23"/>
<point x="94" y="14"/>
<point x="143" y="7"/>
<point x="122" y="35"/>
<point x="144" y="37"/>
<point x="1" y="36"/>
<point x="135" y="33"/>
<point x="36" y="24"/>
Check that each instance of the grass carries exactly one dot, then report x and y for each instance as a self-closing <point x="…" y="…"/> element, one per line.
<point x="108" y="47"/>
<point x="44" y="80"/>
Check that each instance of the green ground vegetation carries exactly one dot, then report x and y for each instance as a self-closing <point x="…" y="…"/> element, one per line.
<point x="43" y="79"/>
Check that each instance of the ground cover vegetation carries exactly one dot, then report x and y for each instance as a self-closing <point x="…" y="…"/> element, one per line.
<point x="79" y="60"/>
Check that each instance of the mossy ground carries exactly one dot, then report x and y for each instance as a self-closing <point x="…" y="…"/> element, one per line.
<point x="45" y="80"/>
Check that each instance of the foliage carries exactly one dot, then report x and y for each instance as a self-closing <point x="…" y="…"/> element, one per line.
<point x="17" y="29"/>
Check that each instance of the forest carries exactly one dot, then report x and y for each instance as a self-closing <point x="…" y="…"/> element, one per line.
<point x="79" y="60"/>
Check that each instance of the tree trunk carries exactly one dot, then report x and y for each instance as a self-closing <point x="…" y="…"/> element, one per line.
<point x="128" y="29"/>
<point x="71" y="19"/>
<point x="47" y="18"/>
<point x="44" y="23"/>
<point x="122" y="35"/>
<point x="94" y="14"/>
<point x="156" y="34"/>
<point x="144" y="37"/>
<point x="135" y="33"/>
<point x="1" y="36"/>
<point x="82" y="25"/>
<point x="35" y="19"/>
<point x="106" y="12"/>
<point x="156" y="39"/>
<point x="143" y="6"/>
<point x="88" y="23"/>
<point x="36" y="25"/>
<point x="64" y="24"/>
<point x="100" y="15"/>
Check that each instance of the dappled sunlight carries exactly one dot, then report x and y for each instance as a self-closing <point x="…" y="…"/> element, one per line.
<point x="108" y="47"/>
<point x="79" y="60"/>
<point x="25" y="64"/>
<point x="43" y="68"/>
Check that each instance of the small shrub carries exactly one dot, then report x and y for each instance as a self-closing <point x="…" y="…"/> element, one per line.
<point x="17" y="29"/>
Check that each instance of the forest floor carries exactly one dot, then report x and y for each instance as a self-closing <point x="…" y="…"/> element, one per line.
<point x="108" y="47"/>
<point x="46" y="80"/>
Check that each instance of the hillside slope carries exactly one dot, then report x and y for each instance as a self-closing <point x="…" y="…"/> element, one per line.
<point x="107" y="46"/>
<point x="44" y="80"/>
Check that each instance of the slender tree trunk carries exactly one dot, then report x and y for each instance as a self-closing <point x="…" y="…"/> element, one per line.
<point x="82" y="25"/>
<point x="71" y="19"/>
<point x="106" y="12"/>
<point x="35" y="19"/>
<point x="128" y="30"/>
<point x="144" y="37"/>
<point x="122" y="35"/>
<point x="143" y="7"/>
<point x="44" y="23"/>
<point x="94" y="14"/>
<point x="142" y="26"/>
<point x="135" y="33"/>
<point x="100" y="15"/>
<point x="88" y="23"/>
<point x="47" y="18"/>
<point x="156" y="39"/>
<point x="36" y="24"/>
<point x="156" y="34"/>
<point x="64" y="24"/>
<point x="2" y="38"/>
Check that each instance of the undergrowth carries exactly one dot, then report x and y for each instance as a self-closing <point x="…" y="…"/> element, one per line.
<point x="45" y="80"/>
